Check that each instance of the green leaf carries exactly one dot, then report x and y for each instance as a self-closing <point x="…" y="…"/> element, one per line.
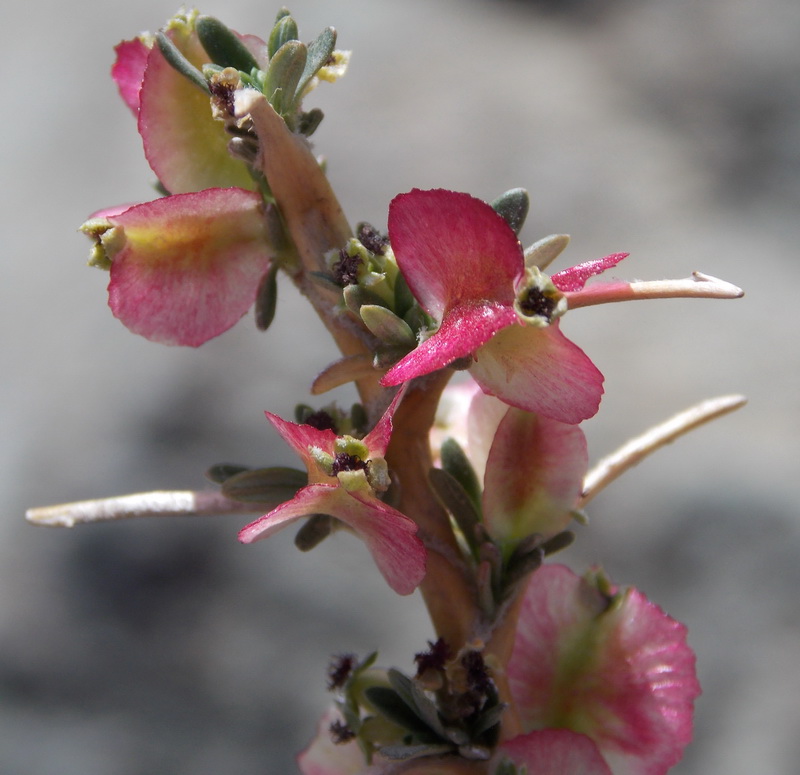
<point x="456" y="500"/>
<point x="458" y="465"/>
<point x="180" y="63"/>
<point x="313" y="532"/>
<point x="220" y="472"/>
<point x="513" y="206"/>
<point x="385" y="325"/>
<point x="285" y="29"/>
<point x="390" y="705"/>
<point x="267" y="297"/>
<point x="546" y="250"/>
<point x="308" y="122"/>
<point x="285" y="70"/>
<point x="267" y="486"/>
<point x="223" y="46"/>
<point x="319" y="52"/>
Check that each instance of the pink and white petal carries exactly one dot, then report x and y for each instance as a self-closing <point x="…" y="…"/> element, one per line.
<point x="185" y="146"/>
<point x="190" y="264"/>
<point x="128" y="71"/>
<point x="464" y="329"/>
<point x="485" y="415"/>
<point x="555" y="752"/>
<point x="324" y="757"/>
<point x="452" y="249"/>
<point x="574" y="278"/>
<point x="534" y="476"/>
<point x="389" y="535"/>
<point x="621" y="673"/>
<point x="377" y="440"/>
<point x="300" y="437"/>
<point x="539" y="370"/>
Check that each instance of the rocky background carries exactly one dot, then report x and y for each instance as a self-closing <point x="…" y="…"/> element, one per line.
<point x="670" y="130"/>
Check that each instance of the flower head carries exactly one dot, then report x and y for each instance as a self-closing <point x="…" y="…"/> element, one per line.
<point x="465" y="266"/>
<point x="345" y="478"/>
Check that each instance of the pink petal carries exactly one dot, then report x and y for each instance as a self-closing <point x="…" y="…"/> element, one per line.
<point x="574" y="278"/>
<point x="389" y="535"/>
<point x="190" y="265"/>
<point x="621" y="674"/>
<point x="324" y="757"/>
<point x="128" y="71"/>
<point x="377" y="440"/>
<point x="300" y="438"/>
<point x="554" y="752"/>
<point x="539" y="370"/>
<point x="185" y="146"/>
<point x="464" y="329"/>
<point x="453" y="249"/>
<point x="534" y="476"/>
<point x="485" y="414"/>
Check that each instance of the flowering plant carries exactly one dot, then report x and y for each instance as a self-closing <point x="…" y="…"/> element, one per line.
<point x="461" y="490"/>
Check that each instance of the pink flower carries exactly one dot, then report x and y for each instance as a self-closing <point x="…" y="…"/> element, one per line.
<point x="465" y="267"/>
<point x="345" y="477"/>
<point x="187" y="267"/>
<point x="613" y="667"/>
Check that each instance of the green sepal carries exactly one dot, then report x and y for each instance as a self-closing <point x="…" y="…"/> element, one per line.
<point x="267" y="486"/>
<point x="313" y="532"/>
<point x="513" y="206"/>
<point x="285" y="29"/>
<point x="458" y="465"/>
<point x="285" y="70"/>
<point x="452" y="495"/>
<point x="267" y="297"/>
<point x="223" y="46"/>
<point x="424" y="708"/>
<point x="319" y="52"/>
<point x="220" y="472"/>
<point x="385" y="325"/>
<point x="180" y="63"/>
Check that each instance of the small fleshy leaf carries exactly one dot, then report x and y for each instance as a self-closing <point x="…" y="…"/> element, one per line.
<point x="180" y="63"/>
<point x="285" y="29"/>
<point x="513" y="205"/>
<point x="223" y="46"/>
<point x="452" y="495"/>
<point x="316" y="529"/>
<point x="546" y="250"/>
<point x="267" y="297"/>
<point x="283" y="75"/>
<point x="221" y="471"/>
<point x="319" y="52"/>
<point x="264" y="485"/>
<point x="458" y="465"/>
<point x="385" y="325"/>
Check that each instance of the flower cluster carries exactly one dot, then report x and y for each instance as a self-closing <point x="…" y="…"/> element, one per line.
<point x="462" y="492"/>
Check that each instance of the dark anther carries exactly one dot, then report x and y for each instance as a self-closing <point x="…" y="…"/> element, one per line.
<point x="341" y="733"/>
<point x="344" y="462"/>
<point x="371" y="238"/>
<point x="535" y="304"/>
<point x="322" y="421"/>
<point x="339" y="670"/>
<point x="224" y="93"/>
<point x="477" y="673"/>
<point x="434" y="658"/>
<point x="345" y="270"/>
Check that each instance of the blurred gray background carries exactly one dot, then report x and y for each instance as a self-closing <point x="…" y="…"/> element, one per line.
<point x="667" y="129"/>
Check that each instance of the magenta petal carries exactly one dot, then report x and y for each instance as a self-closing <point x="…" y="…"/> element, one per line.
<point x="185" y="145"/>
<point x="128" y="71"/>
<point x="534" y="476"/>
<point x="574" y="278"/>
<point x="464" y="329"/>
<point x="377" y="440"/>
<point x="453" y="249"/>
<point x="539" y="370"/>
<point x="555" y="752"/>
<point x="389" y="535"/>
<point x="190" y="264"/>
<point x="300" y="437"/>
<point x="621" y="674"/>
